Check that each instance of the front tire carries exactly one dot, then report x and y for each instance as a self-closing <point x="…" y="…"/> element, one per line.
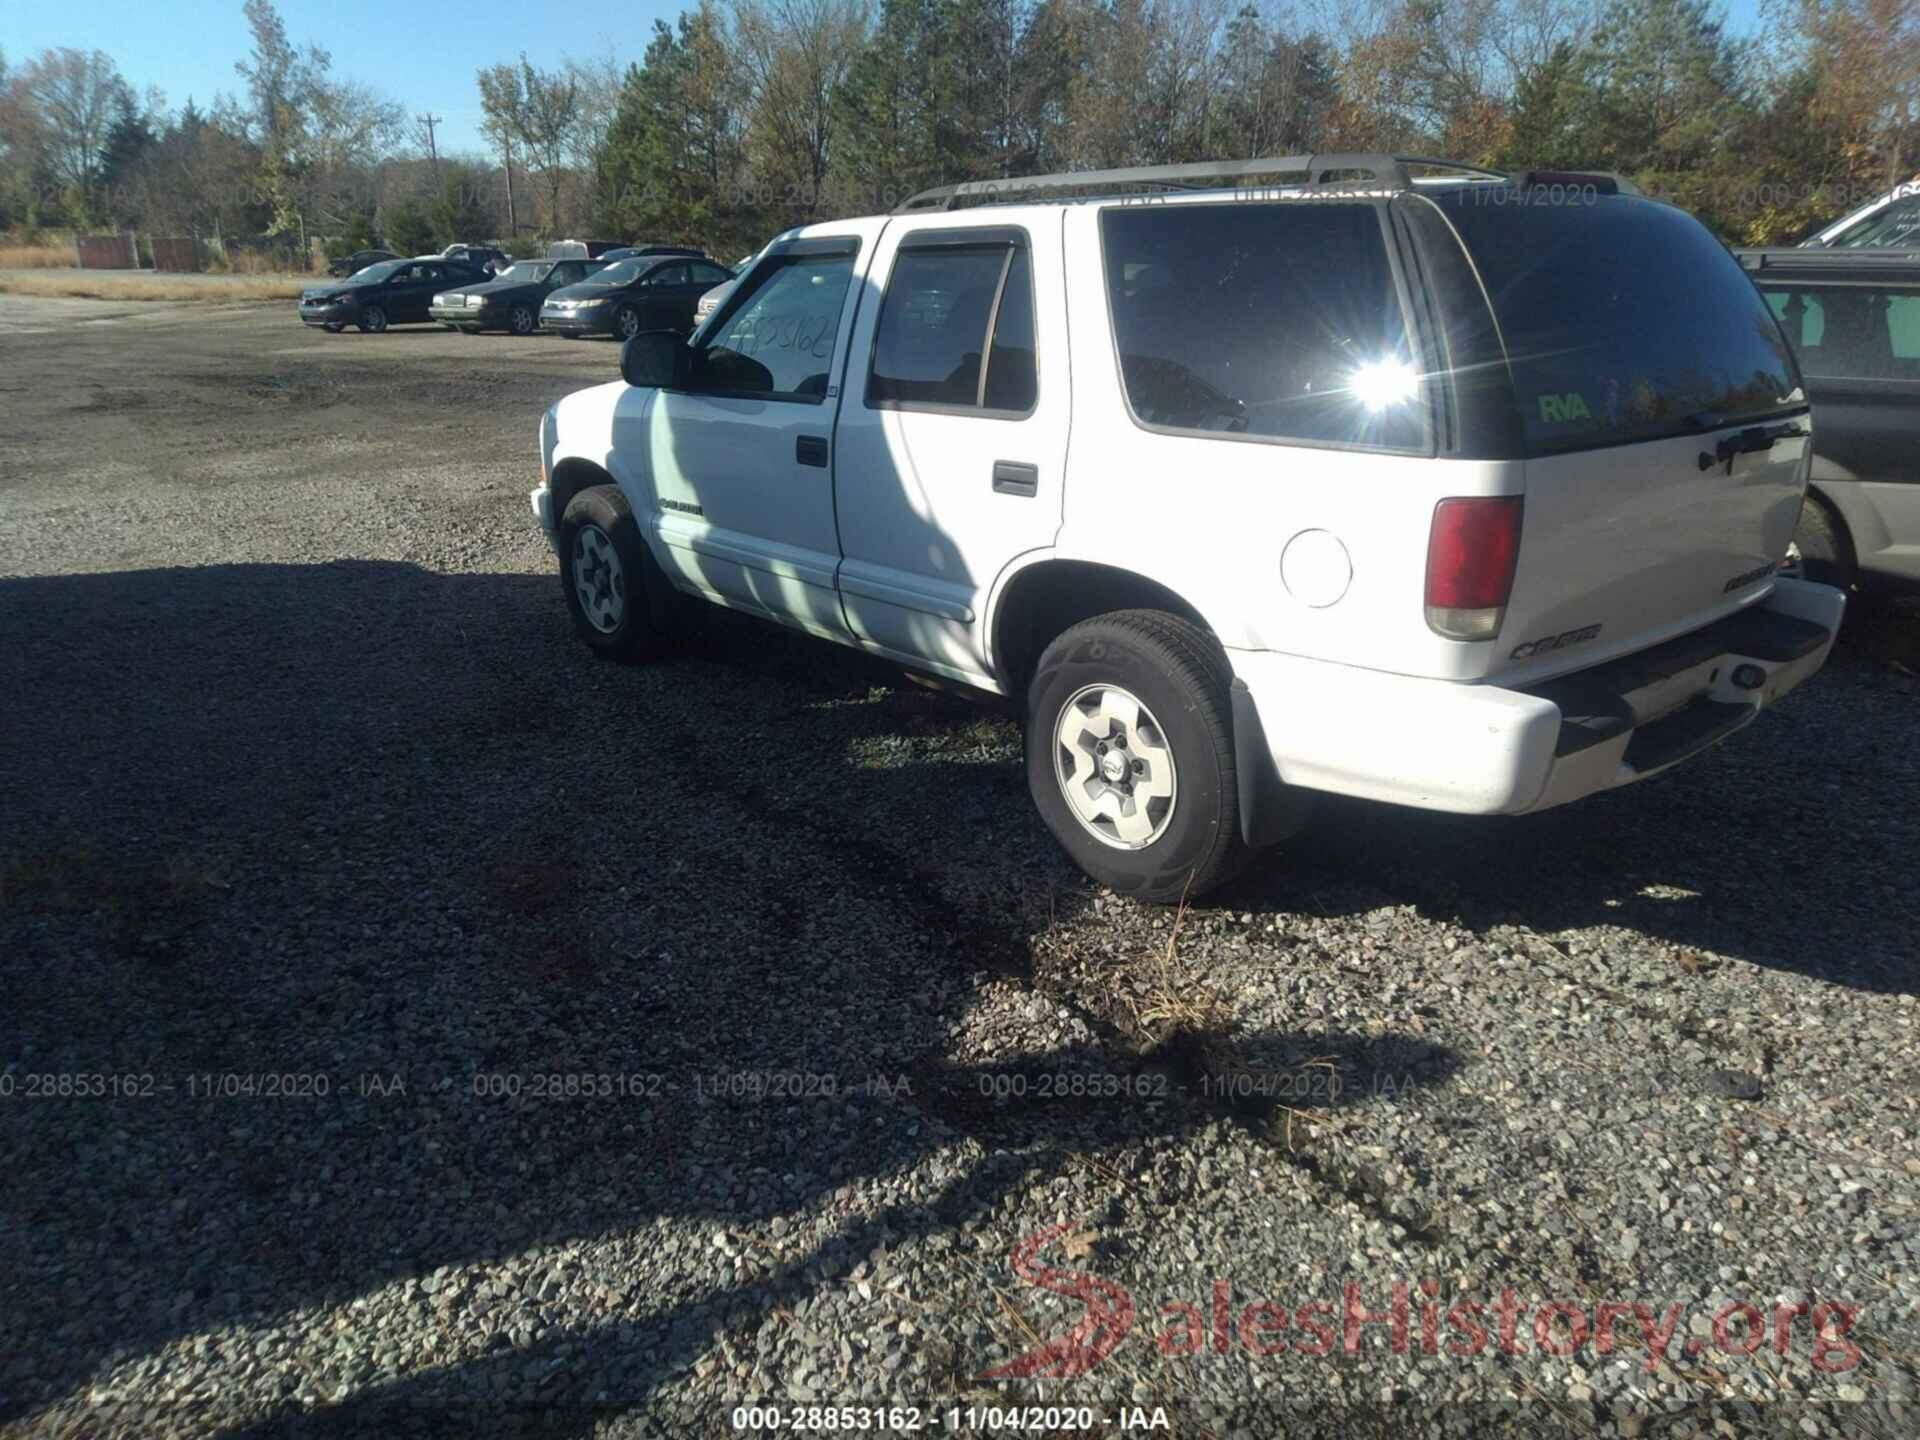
<point x="626" y="322"/>
<point x="373" y="319"/>
<point x="614" y="590"/>
<point x="521" y="320"/>
<point x="1130" y="754"/>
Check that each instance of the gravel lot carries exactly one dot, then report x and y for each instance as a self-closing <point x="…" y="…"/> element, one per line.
<point x="492" y="1037"/>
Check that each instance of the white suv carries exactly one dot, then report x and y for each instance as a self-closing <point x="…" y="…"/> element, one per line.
<point x="1462" y="491"/>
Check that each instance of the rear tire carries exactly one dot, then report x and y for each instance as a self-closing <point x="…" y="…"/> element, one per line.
<point x="615" y="592"/>
<point x="1826" y="551"/>
<point x="1156" y="815"/>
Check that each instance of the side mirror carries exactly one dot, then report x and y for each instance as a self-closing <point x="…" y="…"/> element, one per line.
<point x="655" y="358"/>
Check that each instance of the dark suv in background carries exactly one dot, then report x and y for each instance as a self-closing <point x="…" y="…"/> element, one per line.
<point x="1853" y="319"/>
<point x="656" y="292"/>
<point x="484" y="258"/>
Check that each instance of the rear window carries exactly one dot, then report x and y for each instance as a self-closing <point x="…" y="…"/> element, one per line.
<point x="1267" y="321"/>
<point x="1849" y="332"/>
<point x="1623" y="320"/>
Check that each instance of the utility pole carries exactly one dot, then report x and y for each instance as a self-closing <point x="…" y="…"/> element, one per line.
<point x="433" y="154"/>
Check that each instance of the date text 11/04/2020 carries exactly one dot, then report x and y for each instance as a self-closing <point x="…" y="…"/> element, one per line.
<point x="985" y="1419"/>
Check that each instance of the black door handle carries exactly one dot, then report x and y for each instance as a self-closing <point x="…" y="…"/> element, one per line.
<point x="811" y="450"/>
<point x="1015" y="477"/>
<point x="1751" y="441"/>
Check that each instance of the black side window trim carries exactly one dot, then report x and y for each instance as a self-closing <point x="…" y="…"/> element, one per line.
<point x="1014" y="238"/>
<point x="1400" y="291"/>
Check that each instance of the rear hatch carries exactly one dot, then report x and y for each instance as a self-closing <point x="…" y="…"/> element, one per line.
<point x="1659" y="412"/>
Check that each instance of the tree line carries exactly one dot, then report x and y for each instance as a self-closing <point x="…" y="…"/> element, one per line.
<point x="747" y="116"/>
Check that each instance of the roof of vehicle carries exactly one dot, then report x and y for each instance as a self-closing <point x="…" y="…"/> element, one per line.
<point x="632" y="252"/>
<point x="1828" y="234"/>
<point x="501" y="282"/>
<point x="1835" y="266"/>
<point x="1272" y="175"/>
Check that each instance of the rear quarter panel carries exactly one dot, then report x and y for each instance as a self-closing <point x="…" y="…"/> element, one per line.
<point x="1211" y="518"/>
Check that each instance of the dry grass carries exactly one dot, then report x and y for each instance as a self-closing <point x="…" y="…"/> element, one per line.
<point x="248" y="262"/>
<point x="36" y="257"/>
<point x="109" y="285"/>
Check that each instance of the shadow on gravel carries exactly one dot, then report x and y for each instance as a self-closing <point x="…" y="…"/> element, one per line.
<point x="337" y="873"/>
<point x="1776" y="847"/>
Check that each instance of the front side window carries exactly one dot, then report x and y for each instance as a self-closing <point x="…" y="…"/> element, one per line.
<point x="780" y="340"/>
<point x="1278" y="321"/>
<point x="1849" y="332"/>
<point x="956" y="330"/>
<point x="665" y="275"/>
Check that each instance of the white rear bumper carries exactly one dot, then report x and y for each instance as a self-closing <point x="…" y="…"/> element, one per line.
<point x="1482" y="750"/>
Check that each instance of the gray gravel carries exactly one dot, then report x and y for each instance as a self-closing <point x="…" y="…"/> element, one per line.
<point x="310" y="790"/>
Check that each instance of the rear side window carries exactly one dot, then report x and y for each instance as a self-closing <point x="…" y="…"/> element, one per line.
<point x="1278" y="321"/>
<point x="1623" y="320"/>
<point x="1850" y="332"/>
<point x="956" y="330"/>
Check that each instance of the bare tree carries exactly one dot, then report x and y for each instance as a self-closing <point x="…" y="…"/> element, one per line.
<point x="795" y="55"/>
<point x="500" y="123"/>
<point x="76" y="96"/>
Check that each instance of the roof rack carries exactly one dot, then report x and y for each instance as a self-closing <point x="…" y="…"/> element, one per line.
<point x="1362" y="170"/>
<point x="1824" y="257"/>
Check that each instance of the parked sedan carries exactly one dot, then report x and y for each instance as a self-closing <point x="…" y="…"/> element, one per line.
<point x="716" y="297"/>
<point x="359" y="260"/>
<point x="393" y="292"/>
<point x="510" y="301"/>
<point x="647" y="293"/>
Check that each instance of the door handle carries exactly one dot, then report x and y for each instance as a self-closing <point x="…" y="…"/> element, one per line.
<point x="1751" y="441"/>
<point x="1015" y="477"/>
<point x="810" y="450"/>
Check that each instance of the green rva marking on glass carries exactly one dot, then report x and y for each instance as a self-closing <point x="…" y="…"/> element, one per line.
<point x="1562" y="409"/>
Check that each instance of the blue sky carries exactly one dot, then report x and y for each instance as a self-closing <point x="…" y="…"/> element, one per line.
<point x="424" y="56"/>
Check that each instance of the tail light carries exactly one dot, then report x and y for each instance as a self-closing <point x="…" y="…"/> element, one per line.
<point x="1471" y="553"/>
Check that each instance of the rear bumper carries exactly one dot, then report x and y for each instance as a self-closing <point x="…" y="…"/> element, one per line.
<point x="1484" y="750"/>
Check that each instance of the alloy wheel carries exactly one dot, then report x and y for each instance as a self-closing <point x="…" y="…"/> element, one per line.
<point x="598" y="581"/>
<point x="1115" y="767"/>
